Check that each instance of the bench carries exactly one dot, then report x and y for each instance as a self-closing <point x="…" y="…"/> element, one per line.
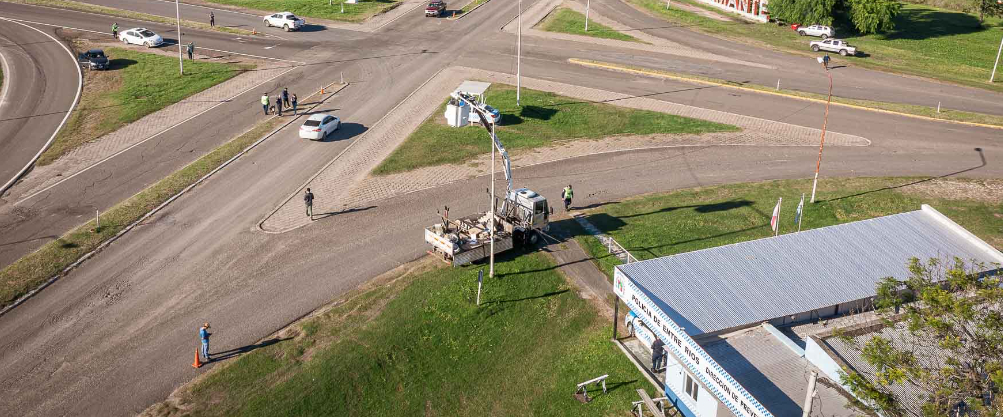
<point x="582" y="392"/>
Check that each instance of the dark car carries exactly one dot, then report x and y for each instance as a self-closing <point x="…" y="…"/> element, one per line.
<point x="435" y="9"/>
<point x="93" y="59"/>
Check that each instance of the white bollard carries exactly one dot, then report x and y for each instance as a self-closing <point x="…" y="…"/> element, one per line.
<point x="778" y="84"/>
<point x="938" y="107"/>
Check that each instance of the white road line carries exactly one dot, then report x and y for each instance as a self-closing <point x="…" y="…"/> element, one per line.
<point x="270" y="47"/>
<point x="148" y="139"/>
<point x="165" y="42"/>
<point x="6" y="82"/>
<point x="76" y="99"/>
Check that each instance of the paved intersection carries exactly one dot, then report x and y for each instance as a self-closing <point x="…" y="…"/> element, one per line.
<point x="127" y="318"/>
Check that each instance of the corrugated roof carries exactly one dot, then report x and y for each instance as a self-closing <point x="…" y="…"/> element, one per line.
<point x="746" y="283"/>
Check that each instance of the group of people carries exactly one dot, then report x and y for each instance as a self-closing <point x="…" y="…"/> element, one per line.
<point x="286" y="99"/>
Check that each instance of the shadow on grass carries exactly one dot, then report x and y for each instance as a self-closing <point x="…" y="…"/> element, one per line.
<point x="120" y="63"/>
<point x="982" y="157"/>
<point x="699" y="208"/>
<point x="546" y="295"/>
<point x="227" y="354"/>
<point x="919" y="24"/>
<point x="537" y="112"/>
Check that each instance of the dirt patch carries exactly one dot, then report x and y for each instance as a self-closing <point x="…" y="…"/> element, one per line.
<point x="989" y="191"/>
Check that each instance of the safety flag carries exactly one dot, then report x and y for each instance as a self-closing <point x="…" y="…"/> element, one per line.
<point x="797" y="214"/>
<point x="775" y="221"/>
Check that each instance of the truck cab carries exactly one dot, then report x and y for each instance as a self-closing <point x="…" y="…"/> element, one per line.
<point x="526" y="212"/>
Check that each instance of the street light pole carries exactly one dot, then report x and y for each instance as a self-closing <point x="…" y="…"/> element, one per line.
<point x="491" y="267"/>
<point x="997" y="61"/>
<point x="821" y="144"/>
<point x="587" y="4"/>
<point x="181" y="56"/>
<point x="518" y="66"/>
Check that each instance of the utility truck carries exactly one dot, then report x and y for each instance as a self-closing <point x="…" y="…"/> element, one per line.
<point x="519" y="221"/>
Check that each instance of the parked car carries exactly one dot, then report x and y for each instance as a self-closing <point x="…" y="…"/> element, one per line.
<point x="493" y="114"/>
<point x="285" y="20"/>
<point x="834" y="45"/>
<point x="435" y="9"/>
<point x="141" y="36"/>
<point x="318" y="126"/>
<point x="93" y="59"/>
<point x="825" y="32"/>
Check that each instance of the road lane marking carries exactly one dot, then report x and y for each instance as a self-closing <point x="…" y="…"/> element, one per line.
<point x="169" y="128"/>
<point x="270" y="47"/>
<point x="6" y="82"/>
<point x="76" y="99"/>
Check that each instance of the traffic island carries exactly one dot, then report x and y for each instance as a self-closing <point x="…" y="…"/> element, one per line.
<point x="414" y="342"/>
<point x="565" y="20"/>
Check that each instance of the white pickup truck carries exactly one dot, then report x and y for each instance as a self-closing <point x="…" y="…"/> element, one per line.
<point x="825" y="32"/>
<point x="834" y="45"/>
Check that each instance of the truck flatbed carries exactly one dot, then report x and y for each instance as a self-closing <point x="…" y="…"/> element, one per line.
<point x="466" y="240"/>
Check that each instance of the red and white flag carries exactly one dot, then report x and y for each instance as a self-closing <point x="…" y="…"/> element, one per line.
<point x="775" y="221"/>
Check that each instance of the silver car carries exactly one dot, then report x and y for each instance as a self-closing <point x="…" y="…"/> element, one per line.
<point x="824" y="32"/>
<point x="834" y="45"/>
<point x="285" y="20"/>
<point x="318" y="126"/>
<point x="141" y="36"/>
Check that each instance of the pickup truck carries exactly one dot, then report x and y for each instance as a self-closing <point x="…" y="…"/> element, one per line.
<point x="435" y="9"/>
<point x="93" y="59"/>
<point x="824" y="32"/>
<point x="834" y="45"/>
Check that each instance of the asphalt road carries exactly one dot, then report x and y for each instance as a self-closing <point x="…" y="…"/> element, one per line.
<point x="40" y="85"/>
<point x="129" y="317"/>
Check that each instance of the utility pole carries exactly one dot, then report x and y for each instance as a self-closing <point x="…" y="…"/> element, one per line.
<point x="997" y="61"/>
<point x="518" y="73"/>
<point x="181" y="56"/>
<point x="821" y="144"/>
<point x="587" y="4"/>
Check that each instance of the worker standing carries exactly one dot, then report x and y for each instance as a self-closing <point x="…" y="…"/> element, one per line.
<point x="212" y="20"/>
<point x="568" y="194"/>
<point x="204" y="335"/>
<point x="114" y="30"/>
<point x="191" y="51"/>
<point x="657" y="355"/>
<point x="264" y="102"/>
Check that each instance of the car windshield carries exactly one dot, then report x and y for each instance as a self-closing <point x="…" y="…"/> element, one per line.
<point x="312" y="123"/>
<point x="435" y="4"/>
<point x="147" y="33"/>
<point x="291" y="17"/>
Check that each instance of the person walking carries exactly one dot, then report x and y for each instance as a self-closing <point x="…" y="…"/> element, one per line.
<point x="285" y="96"/>
<point x="212" y="20"/>
<point x="567" y="195"/>
<point x="191" y="50"/>
<point x="308" y="200"/>
<point x="294" y="104"/>
<point x="657" y="355"/>
<point x="278" y="105"/>
<point x="825" y="61"/>
<point x="114" y="30"/>
<point x="204" y="335"/>
<point x="264" y="102"/>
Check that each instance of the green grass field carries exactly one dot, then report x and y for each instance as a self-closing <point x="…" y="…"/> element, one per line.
<point x="927" y="42"/>
<point x="544" y="118"/>
<point x="665" y="224"/>
<point x="137" y="84"/>
<point x="565" y="20"/>
<point x="358" y="12"/>
<point x="414" y="343"/>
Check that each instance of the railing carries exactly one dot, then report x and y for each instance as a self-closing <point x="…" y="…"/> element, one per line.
<point x="616" y="249"/>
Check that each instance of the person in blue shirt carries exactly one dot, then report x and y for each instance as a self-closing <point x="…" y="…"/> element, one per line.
<point x="204" y="334"/>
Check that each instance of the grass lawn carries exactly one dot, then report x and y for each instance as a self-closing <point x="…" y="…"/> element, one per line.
<point x="128" y="14"/>
<point x="414" y="343"/>
<point x="931" y="112"/>
<point x="33" y="269"/>
<point x="565" y="20"/>
<point x="358" y="12"/>
<point x="137" y="84"/>
<point x="543" y="119"/>
<point x="928" y="42"/>
<point x="687" y="220"/>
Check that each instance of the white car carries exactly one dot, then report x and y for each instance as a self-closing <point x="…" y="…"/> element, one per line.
<point x="141" y="36"/>
<point x="824" y="32"/>
<point x="493" y="114"/>
<point x="318" y="126"/>
<point x="834" y="45"/>
<point x="285" y="20"/>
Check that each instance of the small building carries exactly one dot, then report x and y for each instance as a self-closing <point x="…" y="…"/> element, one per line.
<point x="747" y="327"/>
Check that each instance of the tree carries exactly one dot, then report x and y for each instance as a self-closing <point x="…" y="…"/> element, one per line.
<point x="988" y="7"/>
<point x="952" y="345"/>
<point x="806" y="12"/>
<point x="872" y="16"/>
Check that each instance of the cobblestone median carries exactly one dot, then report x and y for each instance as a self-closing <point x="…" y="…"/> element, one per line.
<point x="344" y="183"/>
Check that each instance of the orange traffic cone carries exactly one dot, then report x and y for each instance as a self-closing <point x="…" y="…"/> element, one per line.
<point x="197" y="363"/>
<point x="321" y="90"/>
<point x="254" y="31"/>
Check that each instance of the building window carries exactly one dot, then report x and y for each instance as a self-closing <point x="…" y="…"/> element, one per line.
<point x="692" y="389"/>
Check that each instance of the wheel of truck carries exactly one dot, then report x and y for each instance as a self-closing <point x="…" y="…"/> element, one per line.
<point x="824" y="36"/>
<point x="285" y="28"/>
<point x="814" y="48"/>
<point x="842" y="52"/>
<point x="533" y="238"/>
<point x="801" y="32"/>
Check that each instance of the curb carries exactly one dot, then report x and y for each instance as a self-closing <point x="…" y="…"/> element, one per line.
<point x="157" y="209"/>
<point x="468" y="11"/>
<point x="651" y="73"/>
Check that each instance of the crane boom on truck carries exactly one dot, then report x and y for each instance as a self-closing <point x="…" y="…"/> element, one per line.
<point x="520" y="219"/>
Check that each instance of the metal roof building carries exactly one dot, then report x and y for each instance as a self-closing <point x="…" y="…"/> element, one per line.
<point x="815" y="272"/>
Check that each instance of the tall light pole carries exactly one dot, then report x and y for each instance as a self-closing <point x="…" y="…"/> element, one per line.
<point x="997" y="61"/>
<point x="181" y="56"/>
<point x="824" y="122"/>
<point x="587" y="4"/>
<point x="491" y="267"/>
<point x="518" y="73"/>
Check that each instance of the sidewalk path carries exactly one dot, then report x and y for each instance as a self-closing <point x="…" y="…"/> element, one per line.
<point x="345" y="183"/>
<point x="103" y="148"/>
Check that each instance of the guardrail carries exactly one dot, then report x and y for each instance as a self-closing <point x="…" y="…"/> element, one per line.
<point x="616" y="249"/>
